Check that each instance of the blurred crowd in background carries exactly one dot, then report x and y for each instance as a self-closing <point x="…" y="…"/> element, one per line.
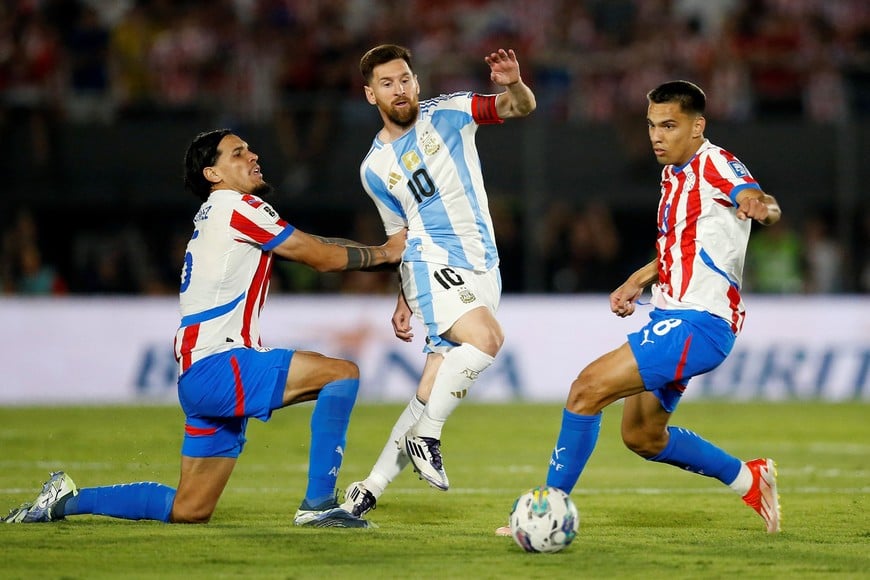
<point x="293" y="64"/>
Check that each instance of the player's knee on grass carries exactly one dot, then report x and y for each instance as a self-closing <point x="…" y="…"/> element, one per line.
<point x="182" y="514"/>
<point x="193" y="506"/>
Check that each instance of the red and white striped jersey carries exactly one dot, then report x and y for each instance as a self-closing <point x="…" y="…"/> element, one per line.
<point x="225" y="277"/>
<point x="701" y="244"/>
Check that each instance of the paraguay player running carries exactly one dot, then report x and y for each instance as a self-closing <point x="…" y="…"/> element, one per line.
<point x="708" y="201"/>
<point x="226" y="375"/>
<point x="423" y="173"/>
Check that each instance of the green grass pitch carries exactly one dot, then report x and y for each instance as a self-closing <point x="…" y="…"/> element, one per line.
<point x="638" y="519"/>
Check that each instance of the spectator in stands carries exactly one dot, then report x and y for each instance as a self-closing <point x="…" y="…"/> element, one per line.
<point x="22" y="268"/>
<point x="36" y="277"/>
<point x="129" y="46"/>
<point x="89" y="96"/>
<point x="590" y="252"/>
<point x="774" y="262"/>
<point x="284" y="66"/>
<point x="30" y="76"/>
<point x="824" y="258"/>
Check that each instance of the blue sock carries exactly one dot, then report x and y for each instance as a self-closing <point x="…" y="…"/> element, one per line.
<point x="329" y="423"/>
<point x="145" y="500"/>
<point x="688" y="450"/>
<point x="576" y="441"/>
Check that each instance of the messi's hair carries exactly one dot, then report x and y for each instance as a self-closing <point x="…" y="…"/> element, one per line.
<point x="201" y="153"/>
<point x="380" y="55"/>
<point x="689" y="95"/>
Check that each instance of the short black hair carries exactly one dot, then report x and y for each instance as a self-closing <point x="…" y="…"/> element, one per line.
<point x="689" y="95"/>
<point x="201" y="153"/>
<point x="380" y="55"/>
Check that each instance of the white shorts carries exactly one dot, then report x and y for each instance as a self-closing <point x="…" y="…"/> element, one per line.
<point x="439" y="295"/>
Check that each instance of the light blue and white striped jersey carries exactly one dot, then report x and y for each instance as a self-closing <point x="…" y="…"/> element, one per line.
<point x="430" y="181"/>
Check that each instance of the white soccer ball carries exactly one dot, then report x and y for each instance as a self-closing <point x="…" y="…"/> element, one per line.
<point x="544" y="519"/>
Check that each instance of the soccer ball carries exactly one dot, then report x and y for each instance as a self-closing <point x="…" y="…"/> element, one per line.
<point x="544" y="519"/>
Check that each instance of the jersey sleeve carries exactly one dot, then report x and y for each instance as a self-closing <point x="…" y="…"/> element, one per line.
<point x="256" y="222"/>
<point x="727" y="174"/>
<point x="481" y="108"/>
<point x="484" y="111"/>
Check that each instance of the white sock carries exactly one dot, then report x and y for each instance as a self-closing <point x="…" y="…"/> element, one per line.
<point x="743" y="481"/>
<point x="456" y="375"/>
<point x="391" y="462"/>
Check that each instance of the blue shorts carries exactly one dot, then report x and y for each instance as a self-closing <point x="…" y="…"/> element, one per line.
<point x="677" y="345"/>
<point x="220" y="392"/>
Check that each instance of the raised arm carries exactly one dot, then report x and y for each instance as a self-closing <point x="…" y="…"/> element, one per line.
<point x="338" y="254"/>
<point x="518" y="100"/>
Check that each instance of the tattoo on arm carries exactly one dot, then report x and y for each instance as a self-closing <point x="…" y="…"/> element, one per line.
<point x="359" y="256"/>
<point x="340" y="242"/>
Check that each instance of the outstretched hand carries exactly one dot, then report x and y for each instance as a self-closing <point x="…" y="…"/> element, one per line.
<point x="504" y="68"/>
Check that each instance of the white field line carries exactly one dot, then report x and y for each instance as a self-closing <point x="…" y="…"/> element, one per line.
<point x="598" y="491"/>
<point x="146" y="467"/>
<point x="144" y="471"/>
<point x="413" y="491"/>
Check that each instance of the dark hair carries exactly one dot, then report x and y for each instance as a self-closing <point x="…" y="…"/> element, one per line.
<point x="689" y="95"/>
<point x="380" y="55"/>
<point x="201" y="153"/>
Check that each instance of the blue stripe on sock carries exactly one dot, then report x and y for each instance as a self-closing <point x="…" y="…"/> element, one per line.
<point x="690" y="451"/>
<point x="144" y="500"/>
<point x="575" y="444"/>
<point x="329" y="423"/>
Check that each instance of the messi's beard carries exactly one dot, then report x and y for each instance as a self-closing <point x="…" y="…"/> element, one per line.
<point x="404" y="120"/>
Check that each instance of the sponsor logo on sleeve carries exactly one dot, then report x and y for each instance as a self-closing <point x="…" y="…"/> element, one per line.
<point x="738" y="168"/>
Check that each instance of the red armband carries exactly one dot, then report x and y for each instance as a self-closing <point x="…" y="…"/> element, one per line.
<point x="484" y="111"/>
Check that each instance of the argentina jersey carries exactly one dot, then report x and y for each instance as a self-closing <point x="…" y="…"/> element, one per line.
<point x="430" y="181"/>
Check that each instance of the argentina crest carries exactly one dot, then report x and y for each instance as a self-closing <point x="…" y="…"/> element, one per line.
<point x="429" y="143"/>
<point x="466" y="296"/>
